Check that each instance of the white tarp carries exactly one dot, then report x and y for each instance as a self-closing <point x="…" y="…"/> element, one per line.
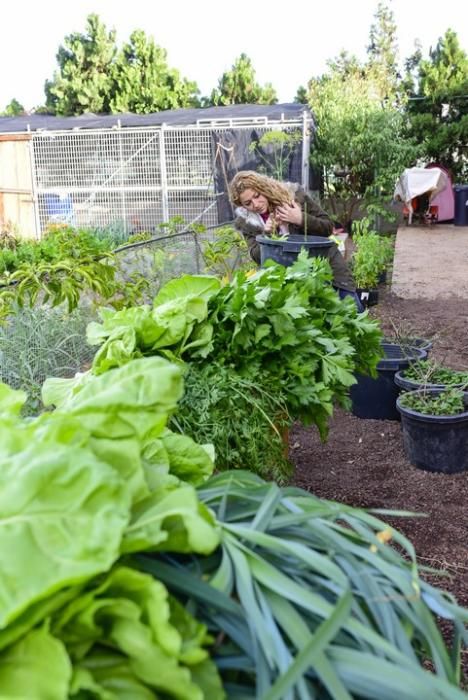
<point x="417" y="181"/>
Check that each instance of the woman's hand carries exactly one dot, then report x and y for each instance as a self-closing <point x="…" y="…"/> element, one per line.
<point x="270" y="224"/>
<point x="289" y="214"/>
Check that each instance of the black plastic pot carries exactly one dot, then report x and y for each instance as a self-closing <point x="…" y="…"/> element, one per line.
<point x="417" y="385"/>
<point x="376" y="398"/>
<point x="368" y="297"/>
<point x="285" y="252"/>
<point x="420" y="343"/>
<point x="435" y="443"/>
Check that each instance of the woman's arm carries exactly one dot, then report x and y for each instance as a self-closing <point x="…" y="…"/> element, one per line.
<point x="250" y="229"/>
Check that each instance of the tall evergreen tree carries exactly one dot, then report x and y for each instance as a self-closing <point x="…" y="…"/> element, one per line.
<point x="382" y="52"/>
<point x="142" y="82"/>
<point x="239" y="86"/>
<point x="438" y="105"/>
<point x="82" y="83"/>
<point x="96" y="76"/>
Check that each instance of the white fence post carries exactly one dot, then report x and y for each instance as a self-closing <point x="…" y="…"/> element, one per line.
<point x="163" y="172"/>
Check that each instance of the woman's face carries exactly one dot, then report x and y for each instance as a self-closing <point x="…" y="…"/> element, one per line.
<point x="254" y="201"/>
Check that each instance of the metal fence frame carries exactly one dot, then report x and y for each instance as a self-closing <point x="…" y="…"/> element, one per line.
<point x="138" y="178"/>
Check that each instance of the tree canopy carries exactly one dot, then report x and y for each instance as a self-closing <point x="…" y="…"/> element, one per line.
<point x="239" y="86"/>
<point x="438" y="103"/>
<point x="94" y="75"/>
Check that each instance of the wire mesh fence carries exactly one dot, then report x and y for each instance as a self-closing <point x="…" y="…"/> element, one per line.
<point x="39" y="342"/>
<point x="133" y="179"/>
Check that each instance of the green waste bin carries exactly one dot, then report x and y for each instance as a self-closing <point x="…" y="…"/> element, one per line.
<point x="461" y="205"/>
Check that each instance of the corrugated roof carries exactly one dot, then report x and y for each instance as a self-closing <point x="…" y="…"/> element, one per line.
<point x="173" y="117"/>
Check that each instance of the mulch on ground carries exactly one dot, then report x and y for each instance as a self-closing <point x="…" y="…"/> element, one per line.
<point x="363" y="463"/>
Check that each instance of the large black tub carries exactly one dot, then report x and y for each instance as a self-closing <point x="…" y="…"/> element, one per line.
<point x="376" y="398"/>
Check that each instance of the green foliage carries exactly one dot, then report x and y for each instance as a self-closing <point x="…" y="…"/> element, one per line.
<point x="82" y="82"/>
<point x="40" y="342"/>
<point x="447" y="402"/>
<point x="97" y="478"/>
<point x="314" y="599"/>
<point x="431" y="372"/>
<point x="438" y="89"/>
<point x="239" y="86"/>
<point x="94" y="75"/>
<point x="371" y="256"/>
<point x="243" y="418"/>
<point x="361" y="143"/>
<point x="13" y="109"/>
<point x="285" y="325"/>
<point x="227" y="253"/>
<point x="383" y="53"/>
<point x="62" y="268"/>
<point x="274" y="150"/>
<point x="142" y="82"/>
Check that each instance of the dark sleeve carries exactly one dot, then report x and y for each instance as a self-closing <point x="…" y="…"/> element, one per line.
<point x="316" y="221"/>
<point x="250" y="234"/>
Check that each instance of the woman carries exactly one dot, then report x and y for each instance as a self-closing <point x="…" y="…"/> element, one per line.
<point x="266" y="206"/>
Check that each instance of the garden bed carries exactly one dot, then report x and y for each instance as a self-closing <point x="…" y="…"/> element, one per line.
<point x="363" y="462"/>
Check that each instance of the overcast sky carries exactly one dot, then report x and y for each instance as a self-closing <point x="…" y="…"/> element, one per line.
<point x="287" y="45"/>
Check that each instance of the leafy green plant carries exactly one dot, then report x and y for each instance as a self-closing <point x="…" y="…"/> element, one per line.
<point x="40" y="342"/>
<point x="275" y="149"/>
<point x="243" y="419"/>
<point x="431" y="372"/>
<point x="95" y="479"/>
<point x="283" y="325"/>
<point x="227" y="253"/>
<point x="371" y="256"/>
<point x="447" y="402"/>
<point x="309" y="598"/>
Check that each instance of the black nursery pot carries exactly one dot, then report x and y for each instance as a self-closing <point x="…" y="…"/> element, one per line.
<point x="435" y="443"/>
<point x="285" y="252"/>
<point x="376" y="398"/>
<point x="368" y="297"/>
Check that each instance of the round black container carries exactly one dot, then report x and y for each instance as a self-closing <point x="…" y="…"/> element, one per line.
<point x="285" y="252"/>
<point x="435" y="443"/>
<point x="405" y="343"/>
<point x="376" y="398"/>
<point x="415" y="384"/>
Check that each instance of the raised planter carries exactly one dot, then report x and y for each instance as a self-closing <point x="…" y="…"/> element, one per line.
<point x="285" y="251"/>
<point x="435" y="443"/>
<point x="376" y="398"/>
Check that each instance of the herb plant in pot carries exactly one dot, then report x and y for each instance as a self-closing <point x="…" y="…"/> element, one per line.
<point x="434" y="424"/>
<point x="369" y="261"/>
<point x="430" y="375"/>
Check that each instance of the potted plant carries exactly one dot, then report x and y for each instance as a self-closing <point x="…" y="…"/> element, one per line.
<point x="375" y="397"/>
<point x="369" y="261"/>
<point x="428" y="374"/>
<point x="434" y="424"/>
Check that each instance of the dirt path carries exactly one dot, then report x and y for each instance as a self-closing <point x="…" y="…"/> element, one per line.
<point x="431" y="262"/>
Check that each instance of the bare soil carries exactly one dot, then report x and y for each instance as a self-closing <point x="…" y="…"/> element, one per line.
<point x="363" y="462"/>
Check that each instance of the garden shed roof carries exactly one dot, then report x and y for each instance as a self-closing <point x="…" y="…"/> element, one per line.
<point x="174" y="117"/>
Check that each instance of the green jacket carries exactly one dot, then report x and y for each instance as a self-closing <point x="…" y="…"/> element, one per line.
<point x="316" y="222"/>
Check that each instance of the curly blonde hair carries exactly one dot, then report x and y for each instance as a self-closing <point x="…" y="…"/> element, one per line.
<point x="276" y="192"/>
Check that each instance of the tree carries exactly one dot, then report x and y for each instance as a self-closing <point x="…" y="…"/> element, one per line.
<point x="13" y="109"/>
<point x="82" y="83"/>
<point x="95" y="76"/>
<point x="142" y="82"/>
<point x="239" y="86"/>
<point x="438" y="104"/>
<point x="359" y="144"/>
<point x="382" y="51"/>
